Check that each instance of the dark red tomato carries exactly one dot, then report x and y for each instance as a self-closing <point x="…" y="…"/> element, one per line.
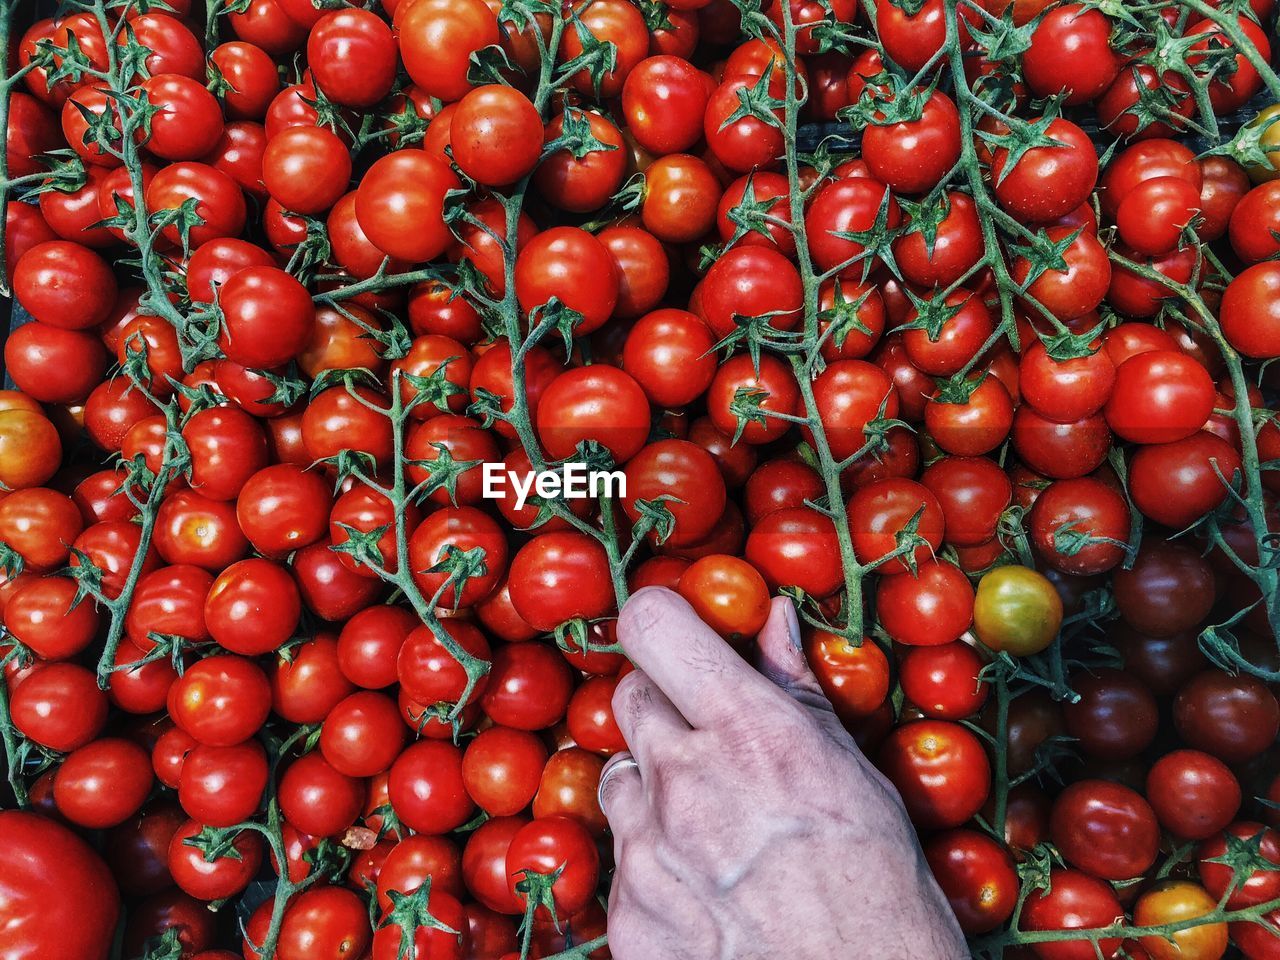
<point x="854" y="678"/>
<point x="529" y="686"/>
<point x="747" y="142"/>
<point x="59" y="706"/>
<point x="851" y="319"/>
<point x="502" y="768"/>
<point x="1047" y="182"/>
<point x="1116" y="717"/>
<point x="1070" y="51"/>
<point x="1193" y="794"/>
<point x="845" y="208"/>
<point x="555" y="845"/>
<point x="1170" y="588"/>
<point x="1233" y="718"/>
<point x="1080" y="526"/>
<point x="103" y="783"/>
<point x="927" y="608"/>
<point x="219" y="201"/>
<point x="221" y="786"/>
<point x="940" y="769"/>
<point x="1074" y="901"/>
<point x="575" y="183"/>
<point x="597" y="403"/>
<point x="977" y="877"/>
<point x="1251" y="311"/>
<point x="797" y="547"/>
<point x="685" y="473"/>
<point x="1105" y="829"/>
<point x="62" y="903"/>
<point x="137" y="850"/>
<point x="317" y="799"/>
<point x="400" y="201"/>
<point x="912" y="156"/>
<point x="1062" y="451"/>
<point x="777" y="484"/>
<point x="880" y="513"/>
<point x="943" y="680"/>
<point x="25" y="228"/>
<point x="224" y="876"/>
<point x="1224" y="186"/>
<point x="221" y="700"/>
<point x="973" y="492"/>
<point x="426" y="788"/>
<point x="1177" y="483"/>
<point x="974" y="425"/>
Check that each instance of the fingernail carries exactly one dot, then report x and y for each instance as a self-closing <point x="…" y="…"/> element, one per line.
<point x="793" y="626"/>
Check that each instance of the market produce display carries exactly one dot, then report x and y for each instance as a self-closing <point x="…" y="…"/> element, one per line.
<point x="951" y="320"/>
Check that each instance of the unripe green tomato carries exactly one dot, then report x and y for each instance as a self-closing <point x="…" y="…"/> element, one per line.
<point x="1017" y="610"/>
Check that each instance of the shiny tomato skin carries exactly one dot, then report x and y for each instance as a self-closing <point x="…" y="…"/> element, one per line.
<point x="930" y="607"/>
<point x="62" y="903"/>
<point x="1075" y="901"/>
<point x="977" y="877"/>
<point x="940" y="769"/>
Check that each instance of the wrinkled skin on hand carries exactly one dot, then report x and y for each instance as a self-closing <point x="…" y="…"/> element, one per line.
<point x="754" y="827"/>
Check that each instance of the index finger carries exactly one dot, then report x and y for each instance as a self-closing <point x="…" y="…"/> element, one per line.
<point x="699" y="672"/>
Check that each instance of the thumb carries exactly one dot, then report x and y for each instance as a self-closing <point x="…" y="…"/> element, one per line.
<point x="782" y="657"/>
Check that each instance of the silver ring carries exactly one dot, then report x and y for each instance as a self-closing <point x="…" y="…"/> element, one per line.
<point x="622" y="761"/>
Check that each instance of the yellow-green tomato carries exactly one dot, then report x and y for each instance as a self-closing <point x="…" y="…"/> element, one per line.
<point x="1017" y="610"/>
<point x="1270" y="137"/>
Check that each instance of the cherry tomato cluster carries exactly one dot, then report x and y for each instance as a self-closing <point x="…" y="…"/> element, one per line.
<point x="843" y="300"/>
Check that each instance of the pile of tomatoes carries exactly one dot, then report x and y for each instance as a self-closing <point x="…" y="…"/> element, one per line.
<point x="844" y="294"/>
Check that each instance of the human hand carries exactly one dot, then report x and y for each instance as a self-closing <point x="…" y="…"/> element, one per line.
<point x="753" y="826"/>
